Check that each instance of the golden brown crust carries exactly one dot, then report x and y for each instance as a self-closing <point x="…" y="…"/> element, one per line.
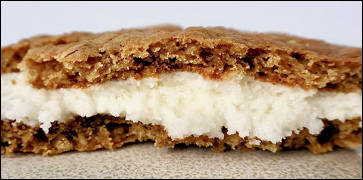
<point x="12" y="55"/>
<point x="212" y="52"/>
<point x="98" y="132"/>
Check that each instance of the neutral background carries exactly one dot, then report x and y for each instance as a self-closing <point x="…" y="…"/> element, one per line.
<point x="336" y="22"/>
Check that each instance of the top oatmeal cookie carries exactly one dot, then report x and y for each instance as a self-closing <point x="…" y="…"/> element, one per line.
<point x="80" y="59"/>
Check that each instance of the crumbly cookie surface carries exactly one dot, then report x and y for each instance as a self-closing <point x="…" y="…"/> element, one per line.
<point x="82" y="59"/>
<point x="107" y="132"/>
<point x="12" y="55"/>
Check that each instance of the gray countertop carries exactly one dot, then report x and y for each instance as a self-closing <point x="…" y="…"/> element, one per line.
<point x="146" y="161"/>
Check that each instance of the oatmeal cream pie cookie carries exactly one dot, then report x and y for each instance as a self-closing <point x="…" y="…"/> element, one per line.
<point x="211" y="87"/>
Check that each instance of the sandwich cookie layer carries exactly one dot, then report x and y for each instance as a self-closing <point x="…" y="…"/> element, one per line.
<point x="184" y="104"/>
<point x="108" y="132"/>
<point x="83" y="59"/>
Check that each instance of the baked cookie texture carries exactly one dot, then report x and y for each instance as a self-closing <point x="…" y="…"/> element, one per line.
<point x="107" y="132"/>
<point x="12" y="55"/>
<point x="82" y="59"/>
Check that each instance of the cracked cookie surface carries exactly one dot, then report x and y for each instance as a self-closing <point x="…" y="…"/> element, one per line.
<point x="81" y="59"/>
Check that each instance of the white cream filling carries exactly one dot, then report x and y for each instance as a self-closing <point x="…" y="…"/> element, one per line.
<point x="185" y="104"/>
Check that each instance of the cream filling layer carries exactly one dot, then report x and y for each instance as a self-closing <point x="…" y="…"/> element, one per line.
<point x="185" y="104"/>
